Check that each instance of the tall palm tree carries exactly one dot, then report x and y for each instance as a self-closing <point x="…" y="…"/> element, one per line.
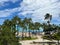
<point x="27" y="22"/>
<point x="32" y="27"/>
<point x="37" y="26"/>
<point x="23" y="27"/>
<point x="15" y="23"/>
<point x="48" y="17"/>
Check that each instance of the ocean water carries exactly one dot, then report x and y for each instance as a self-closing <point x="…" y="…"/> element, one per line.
<point x="20" y="30"/>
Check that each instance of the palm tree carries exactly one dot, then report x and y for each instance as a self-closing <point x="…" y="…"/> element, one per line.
<point x="48" y="17"/>
<point x="23" y="27"/>
<point x="7" y="35"/>
<point x="27" y="22"/>
<point x="15" y="23"/>
<point x="57" y="37"/>
<point x="37" y="26"/>
<point x="32" y="27"/>
<point x="7" y="23"/>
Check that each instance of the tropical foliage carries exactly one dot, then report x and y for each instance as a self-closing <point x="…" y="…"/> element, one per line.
<point x="9" y="29"/>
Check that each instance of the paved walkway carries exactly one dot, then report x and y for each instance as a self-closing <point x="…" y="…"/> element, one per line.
<point x="28" y="42"/>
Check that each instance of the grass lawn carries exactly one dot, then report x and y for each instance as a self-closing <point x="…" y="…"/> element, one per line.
<point x="28" y="38"/>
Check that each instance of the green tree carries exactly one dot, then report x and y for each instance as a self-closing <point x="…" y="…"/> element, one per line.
<point x="7" y="36"/>
<point x="16" y="21"/>
<point x="23" y="28"/>
<point x="57" y="37"/>
<point x="48" y="17"/>
<point x="27" y="22"/>
<point x="26" y="26"/>
<point x="32" y="27"/>
<point x="37" y="26"/>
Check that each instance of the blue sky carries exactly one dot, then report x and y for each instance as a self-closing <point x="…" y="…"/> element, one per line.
<point x="36" y="9"/>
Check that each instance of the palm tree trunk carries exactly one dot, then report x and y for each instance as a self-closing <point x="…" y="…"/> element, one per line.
<point x="36" y="32"/>
<point x="58" y="42"/>
<point x="22" y="34"/>
<point x="26" y="33"/>
<point x="29" y="34"/>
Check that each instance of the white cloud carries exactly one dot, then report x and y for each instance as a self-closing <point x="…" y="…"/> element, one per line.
<point x="6" y="13"/>
<point x="3" y="1"/>
<point x="40" y="7"/>
<point x="28" y="1"/>
<point x="13" y="1"/>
